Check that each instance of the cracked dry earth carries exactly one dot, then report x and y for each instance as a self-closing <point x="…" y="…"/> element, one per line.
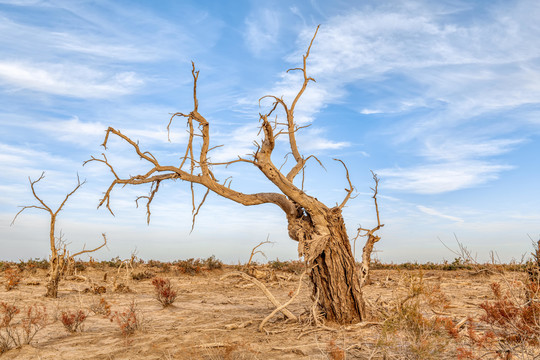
<point x="215" y="317"/>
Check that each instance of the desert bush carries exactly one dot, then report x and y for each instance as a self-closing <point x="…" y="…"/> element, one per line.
<point x="292" y="266"/>
<point x="73" y="320"/>
<point x="514" y="318"/>
<point x="142" y="275"/>
<point x="407" y="330"/>
<point x="212" y="263"/>
<point x="15" y="334"/>
<point x="189" y="266"/>
<point x="12" y="278"/>
<point x="101" y="307"/>
<point x="533" y="265"/>
<point x="161" y="266"/>
<point x="164" y="292"/>
<point x="33" y="264"/>
<point x="128" y="321"/>
<point x="334" y="351"/>
<point x="115" y="262"/>
<point x="4" y="265"/>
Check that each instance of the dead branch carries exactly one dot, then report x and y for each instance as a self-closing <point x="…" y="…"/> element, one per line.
<point x="255" y="251"/>
<point x="268" y="294"/>
<point x="83" y="251"/>
<point x="280" y="308"/>
<point x="351" y="187"/>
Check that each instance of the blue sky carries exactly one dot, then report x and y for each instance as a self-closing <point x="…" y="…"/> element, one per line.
<point x="441" y="99"/>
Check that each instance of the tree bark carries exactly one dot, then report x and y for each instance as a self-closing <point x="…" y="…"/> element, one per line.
<point x="52" y="284"/>
<point x="326" y="248"/>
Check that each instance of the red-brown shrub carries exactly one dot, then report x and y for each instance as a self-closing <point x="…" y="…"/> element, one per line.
<point x="73" y="320"/>
<point x="164" y="292"/>
<point x="128" y="320"/>
<point x="513" y="319"/>
<point x="101" y="308"/>
<point x="13" y="278"/>
<point x="14" y="335"/>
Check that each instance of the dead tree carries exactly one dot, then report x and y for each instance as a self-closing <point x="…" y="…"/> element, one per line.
<point x="60" y="256"/>
<point x="319" y="229"/>
<point x="371" y="237"/>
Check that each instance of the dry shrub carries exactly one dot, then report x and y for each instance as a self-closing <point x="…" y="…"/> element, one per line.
<point x="13" y="278"/>
<point x="128" y="321"/>
<point x="473" y="344"/>
<point x="96" y="289"/>
<point x="196" y="266"/>
<point x="189" y="266"/>
<point x="292" y="266"/>
<point x="14" y="334"/>
<point x="102" y="308"/>
<point x="164" y="292"/>
<point x="212" y="263"/>
<point x="334" y="351"/>
<point x="514" y="315"/>
<point x="514" y="318"/>
<point x="73" y="320"/>
<point x="408" y="332"/>
<point x="142" y="275"/>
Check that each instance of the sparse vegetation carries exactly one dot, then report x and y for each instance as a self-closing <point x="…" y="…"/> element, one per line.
<point x="12" y="277"/>
<point x="413" y="315"/>
<point x="128" y="320"/>
<point x="164" y="292"/>
<point x="17" y="332"/>
<point x="291" y="266"/>
<point x="102" y="307"/>
<point x="73" y="320"/>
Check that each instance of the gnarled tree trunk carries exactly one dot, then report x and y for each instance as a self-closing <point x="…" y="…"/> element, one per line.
<point x="333" y="271"/>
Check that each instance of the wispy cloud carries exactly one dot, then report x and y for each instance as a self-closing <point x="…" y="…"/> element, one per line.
<point x="67" y="80"/>
<point x="434" y="212"/>
<point x="454" y="75"/>
<point x="262" y="30"/>
<point x="313" y="140"/>
<point x="442" y="177"/>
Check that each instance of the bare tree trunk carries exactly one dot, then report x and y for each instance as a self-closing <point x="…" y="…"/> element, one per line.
<point x="334" y="275"/>
<point x="336" y="280"/>
<point x="54" y="262"/>
<point x="54" y="280"/>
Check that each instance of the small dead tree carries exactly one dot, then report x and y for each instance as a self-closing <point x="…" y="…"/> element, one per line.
<point x="319" y="229"/>
<point x="60" y="256"/>
<point x="370" y="236"/>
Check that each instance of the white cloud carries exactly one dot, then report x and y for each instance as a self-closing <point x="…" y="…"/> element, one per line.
<point x="102" y="47"/>
<point x="67" y="80"/>
<point x="433" y="212"/>
<point x="262" y="29"/>
<point x="370" y="111"/>
<point x="458" y="70"/>
<point x="458" y="149"/>
<point x="313" y="140"/>
<point x="440" y="178"/>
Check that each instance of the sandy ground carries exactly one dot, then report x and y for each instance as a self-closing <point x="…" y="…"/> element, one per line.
<point x="216" y="318"/>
